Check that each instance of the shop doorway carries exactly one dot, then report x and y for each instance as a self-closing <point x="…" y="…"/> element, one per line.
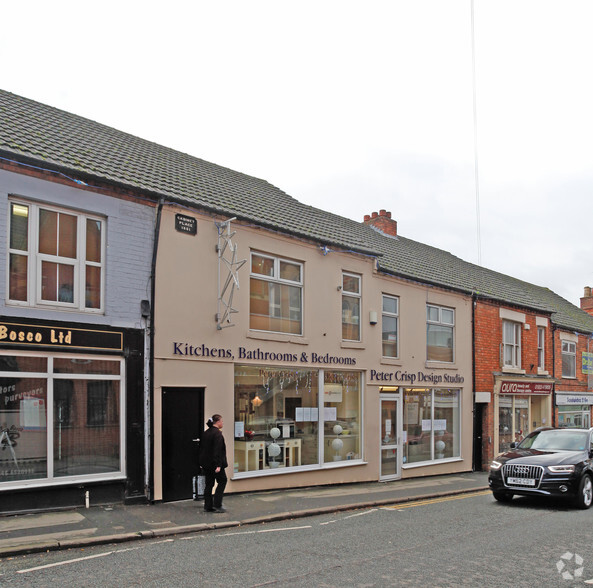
<point x="183" y="423"/>
<point x="390" y="437"/>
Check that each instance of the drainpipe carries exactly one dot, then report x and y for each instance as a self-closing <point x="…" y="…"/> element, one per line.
<point x="474" y="440"/>
<point x="149" y="425"/>
<point x="554" y="374"/>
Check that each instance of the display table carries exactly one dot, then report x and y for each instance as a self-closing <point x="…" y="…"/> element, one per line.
<point x="292" y="451"/>
<point x="250" y="455"/>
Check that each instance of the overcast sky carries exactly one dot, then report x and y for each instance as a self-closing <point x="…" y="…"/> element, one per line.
<point x="351" y="107"/>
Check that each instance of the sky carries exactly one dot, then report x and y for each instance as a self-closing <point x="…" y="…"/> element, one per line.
<point x="482" y="149"/>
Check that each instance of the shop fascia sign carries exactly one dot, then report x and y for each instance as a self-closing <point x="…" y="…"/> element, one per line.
<point x="414" y="378"/>
<point x="30" y="335"/>
<point x="257" y="354"/>
<point x="569" y="398"/>
<point x="517" y="387"/>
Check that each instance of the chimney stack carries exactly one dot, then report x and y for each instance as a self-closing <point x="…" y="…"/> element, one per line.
<point x="382" y="220"/>
<point x="587" y="301"/>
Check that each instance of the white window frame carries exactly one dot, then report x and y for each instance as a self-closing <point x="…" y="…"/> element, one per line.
<point x="50" y="376"/>
<point x="394" y="315"/>
<point x="569" y="351"/>
<point x="356" y="296"/>
<point x="541" y="348"/>
<point x="274" y="308"/>
<point x="513" y="345"/>
<point x="35" y="259"/>
<point x="441" y="322"/>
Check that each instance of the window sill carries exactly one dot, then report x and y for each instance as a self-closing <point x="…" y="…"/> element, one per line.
<point x="512" y="370"/>
<point x="297" y="469"/>
<point x="421" y="464"/>
<point x="542" y="372"/>
<point x="278" y="337"/>
<point x="441" y="365"/>
<point x="352" y="345"/>
<point x="391" y="361"/>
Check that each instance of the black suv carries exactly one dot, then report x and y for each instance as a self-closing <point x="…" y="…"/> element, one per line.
<point x="548" y="462"/>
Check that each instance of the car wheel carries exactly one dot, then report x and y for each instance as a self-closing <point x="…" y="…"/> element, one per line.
<point x="502" y="496"/>
<point x="584" y="497"/>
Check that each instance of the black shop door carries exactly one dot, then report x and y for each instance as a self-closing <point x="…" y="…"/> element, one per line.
<point x="183" y="421"/>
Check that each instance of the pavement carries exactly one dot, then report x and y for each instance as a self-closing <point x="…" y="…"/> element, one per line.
<point x="117" y="523"/>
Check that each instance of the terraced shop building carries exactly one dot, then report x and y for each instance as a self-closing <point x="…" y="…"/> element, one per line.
<point x="337" y="351"/>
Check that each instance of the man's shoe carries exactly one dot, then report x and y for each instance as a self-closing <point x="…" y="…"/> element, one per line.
<point x="219" y="509"/>
<point x="209" y="509"/>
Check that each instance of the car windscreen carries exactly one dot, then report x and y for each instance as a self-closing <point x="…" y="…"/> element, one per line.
<point x="556" y="440"/>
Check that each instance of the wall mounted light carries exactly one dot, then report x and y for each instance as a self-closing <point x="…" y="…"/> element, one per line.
<point x="373" y="317"/>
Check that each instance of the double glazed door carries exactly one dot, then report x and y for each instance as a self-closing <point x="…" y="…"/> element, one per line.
<point x="390" y="437"/>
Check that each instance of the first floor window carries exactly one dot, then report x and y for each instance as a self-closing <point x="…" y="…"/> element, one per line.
<point x="541" y="332"/>
<point x="276" y="295"/>
<point x="389" y="323"/>
<point x="79" y="436"/>
<point x="511" y="343"/>
<point x="287" y="418"/>
<point x="569" y="359"/>
<point x="55" y="257"/>
<point x="351" y="298"/>
<point x="440" y="322"/>
<point x="431" y="424"/>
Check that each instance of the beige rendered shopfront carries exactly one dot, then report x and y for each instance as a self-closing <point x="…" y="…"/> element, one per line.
<point x="304" y="364"/>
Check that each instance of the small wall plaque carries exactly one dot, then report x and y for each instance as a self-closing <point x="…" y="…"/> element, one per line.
<point x="186" y="224"/>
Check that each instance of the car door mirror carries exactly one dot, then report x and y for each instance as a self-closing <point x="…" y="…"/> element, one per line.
<point x="513" y="445"/>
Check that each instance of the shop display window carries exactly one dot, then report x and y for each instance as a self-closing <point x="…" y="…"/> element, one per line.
<point x="59" y="417"/>
<point x="574" y="416"/>
<point x="431" y="424"/>
<point x="513" y="420"/>
<point x="290" y="418"/>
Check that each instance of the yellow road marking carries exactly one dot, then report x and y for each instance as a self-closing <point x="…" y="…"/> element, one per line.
<point x="437" y="500"/>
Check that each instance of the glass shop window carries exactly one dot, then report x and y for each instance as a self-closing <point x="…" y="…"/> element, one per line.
<point x="84" y="425"/>
<point x="431" y="424"/>
<point x="287" y="418"/>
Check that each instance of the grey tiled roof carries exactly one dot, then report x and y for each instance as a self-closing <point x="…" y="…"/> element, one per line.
<point x="50" y="138"/>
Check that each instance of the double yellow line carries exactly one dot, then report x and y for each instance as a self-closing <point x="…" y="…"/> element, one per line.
<point x="437" y="500"/>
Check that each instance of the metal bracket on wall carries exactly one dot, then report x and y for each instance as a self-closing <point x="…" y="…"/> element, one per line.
<point x="228" y="266"/>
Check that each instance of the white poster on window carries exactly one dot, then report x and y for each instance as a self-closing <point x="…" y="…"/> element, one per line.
<point x="411" y="414"/>
<point x="440" y="424"/>
<point x="330" y="413"/>
<point x="426" y="424"/>
<point x="239" y="429"/>
<point x="33" y="412"/>
<point x="314" y="415"/>
<point x="299" y="416"/>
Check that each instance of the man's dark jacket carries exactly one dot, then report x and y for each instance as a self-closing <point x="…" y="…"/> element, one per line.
<point x="213" y="449"/>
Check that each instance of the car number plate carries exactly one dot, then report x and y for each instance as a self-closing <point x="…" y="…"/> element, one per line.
<point x="521" y="481"/>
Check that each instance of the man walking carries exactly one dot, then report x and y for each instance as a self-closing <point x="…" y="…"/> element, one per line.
<point x="213" y="461"/>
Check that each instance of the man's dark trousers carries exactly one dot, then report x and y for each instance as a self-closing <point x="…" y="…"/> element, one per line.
<point x="221" y="480"/>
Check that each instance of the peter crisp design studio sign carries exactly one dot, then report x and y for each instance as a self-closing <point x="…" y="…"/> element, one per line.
<point x="48" y="336"/>
<point x="415" y="377"/>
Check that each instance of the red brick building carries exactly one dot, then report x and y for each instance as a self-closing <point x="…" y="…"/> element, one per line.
<point x="530" y="364"/>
